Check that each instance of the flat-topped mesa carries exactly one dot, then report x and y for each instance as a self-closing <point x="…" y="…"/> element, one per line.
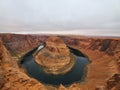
<point x="55" y="58"/>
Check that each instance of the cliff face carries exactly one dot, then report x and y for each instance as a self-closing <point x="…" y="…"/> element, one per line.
<point x="103" y="72"/>
<point x="105" y="56"/>
<point x="55" y="56"/>
<point x="11" y="77"/>
<point x="18" y="45"/>
<point x="108" y="45"/>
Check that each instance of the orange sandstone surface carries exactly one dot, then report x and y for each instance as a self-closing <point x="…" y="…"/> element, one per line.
<point x="55" y="58"/>
<point x="103" y="72"/>
<point x="12" y="78"/>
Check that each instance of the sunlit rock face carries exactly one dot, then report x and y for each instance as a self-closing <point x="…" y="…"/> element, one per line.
<point x="12" y="77"/>
<point x="55" y="58"/>
<point x="106" y="65"/>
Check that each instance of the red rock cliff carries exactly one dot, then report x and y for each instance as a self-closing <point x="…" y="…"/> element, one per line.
<point x="103" y="52"/>
<point x="11" y="77"/>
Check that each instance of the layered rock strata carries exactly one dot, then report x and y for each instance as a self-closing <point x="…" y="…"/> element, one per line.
<point x="11" y="76"/>
<point x="103" y="72"/>
<point x="55" y="58"/>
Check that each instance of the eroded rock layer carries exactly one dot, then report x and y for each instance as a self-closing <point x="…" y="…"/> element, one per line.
<point x="55" y="58"/>
<point x="103" y="72"/>
<point x="11" y="77"/>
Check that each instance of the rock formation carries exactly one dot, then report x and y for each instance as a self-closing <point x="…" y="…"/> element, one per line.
<point x="11" y="77"/>
<point x="18" y="44"/>
<point x="103" y="72"/>
<point x="55" y="58"/>
<point x="114" y="82"/>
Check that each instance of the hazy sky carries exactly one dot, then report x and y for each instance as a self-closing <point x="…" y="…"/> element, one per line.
<point x="97" y="17"/>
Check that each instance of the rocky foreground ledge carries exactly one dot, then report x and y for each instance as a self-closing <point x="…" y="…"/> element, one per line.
<point x="12" y="77"/>
<point x="55" y="58"/>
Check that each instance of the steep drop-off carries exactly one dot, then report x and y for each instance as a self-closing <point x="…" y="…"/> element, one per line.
<point x="55" y="58"/>
<point x="103" y="72"/>
<point x="11" y="77"/>
<point x="18" y="44"/>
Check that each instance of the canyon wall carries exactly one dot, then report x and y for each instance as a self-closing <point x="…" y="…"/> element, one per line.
<point x="18" y="45"/>
<point x="11" y="77"/>
<point x="103" y="72"/>
<point x="55" y="58"/>
<point x="103" y="44"/>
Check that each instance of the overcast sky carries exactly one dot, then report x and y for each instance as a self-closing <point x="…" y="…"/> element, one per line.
<point x="94" y="17"/>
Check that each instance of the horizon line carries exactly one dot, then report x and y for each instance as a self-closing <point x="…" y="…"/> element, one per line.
<point x="47" y="33"/>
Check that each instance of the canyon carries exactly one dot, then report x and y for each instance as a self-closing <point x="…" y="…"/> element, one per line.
<point x="103" y="71"/>
<point x="55" y="56"/>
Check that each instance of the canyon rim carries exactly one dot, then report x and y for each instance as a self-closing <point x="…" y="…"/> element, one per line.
<point x="103" y="71"/>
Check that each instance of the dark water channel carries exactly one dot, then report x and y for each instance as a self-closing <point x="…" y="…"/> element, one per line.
<point x="74" y="75"/>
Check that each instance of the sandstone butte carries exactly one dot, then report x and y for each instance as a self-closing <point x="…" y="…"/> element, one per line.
<point x="55" y="58"/>
<point x="103" y="72"/>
